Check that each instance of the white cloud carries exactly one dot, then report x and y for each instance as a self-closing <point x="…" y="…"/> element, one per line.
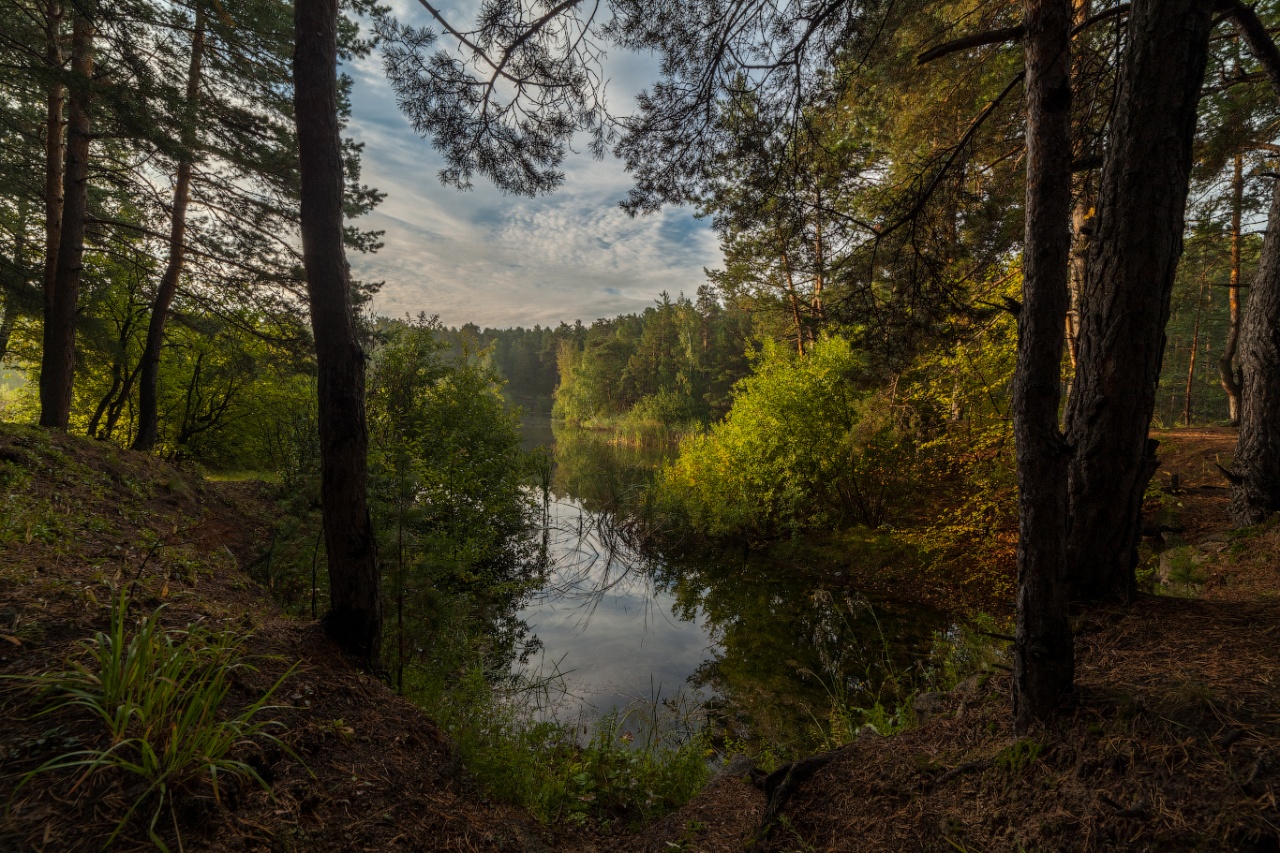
<point x="502" y="261"/>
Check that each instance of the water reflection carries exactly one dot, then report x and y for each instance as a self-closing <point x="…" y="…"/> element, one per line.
<point x="769" y="644"/>
<point x="604" y="620"/>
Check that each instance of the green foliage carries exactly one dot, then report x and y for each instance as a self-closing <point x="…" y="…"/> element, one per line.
<point x="959" y="397"/>
<point x="802" y="447"/>
<point x="655" y="374"/>
<point x="157" y="693"/>
<point x="637" y="764"/>
<point x="449" y="492"/>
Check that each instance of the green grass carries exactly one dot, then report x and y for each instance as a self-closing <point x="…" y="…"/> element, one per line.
<point x="628" y="766"/>
<point x="156" y="693"/>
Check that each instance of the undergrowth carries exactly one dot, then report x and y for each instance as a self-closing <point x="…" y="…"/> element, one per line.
<point x="156" y="693"/>
<point x="626" y="767"/>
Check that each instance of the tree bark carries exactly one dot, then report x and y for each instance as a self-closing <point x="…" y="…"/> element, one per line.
<point x="1043" y="654"/>
<point x="354" y="619"/>
<point x="55" y="151"/>
<point x="1228" y="371"/>
<point x="1255" y="475"/>
<point x="8" y="296"/>
<point x="1191" y="361"/>
<point x="1255" y="481"/>
<point x="1124" y="306"/>
<point x="58" y="360"/>
<point x="149" y="366"/>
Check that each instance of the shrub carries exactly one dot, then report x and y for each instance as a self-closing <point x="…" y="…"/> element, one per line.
<point x="802" y="447"/>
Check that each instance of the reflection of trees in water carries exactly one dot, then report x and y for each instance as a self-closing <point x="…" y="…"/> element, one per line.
<point x="790" y="647"/>
<point x="788" y="644"/>
<point x="591" y="541"/>
<point x="591" y="554"/>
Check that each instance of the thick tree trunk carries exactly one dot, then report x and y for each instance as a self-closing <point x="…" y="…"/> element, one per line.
<point x="58" y="360"/>
<point x="1133" y="256"/>
<point x="54" y="150"/>
<point x="1043" y="655"/>
<point x="149" y="373"/>
<point x="1228" y="371"/>
<point x="354" y="619"/>
<point x="1255" y="480"/>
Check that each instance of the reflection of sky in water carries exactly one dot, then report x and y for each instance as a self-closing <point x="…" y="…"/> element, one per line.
<point x="601" y="620"/>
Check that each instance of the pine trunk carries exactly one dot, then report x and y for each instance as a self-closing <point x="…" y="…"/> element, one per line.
<point x="1255" y="486"/>
<point x="1228" y="372"/>
<point x="54" y="151"/>
<point x="1043" y="655"/>
<point x="58" y="360"/>
<point x="1124" y="306"/>
<point x="1255" y="480"/>
<point x="149" y="372"/>
<point x="354" y="619"/>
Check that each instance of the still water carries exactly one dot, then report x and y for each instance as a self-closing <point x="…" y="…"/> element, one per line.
<point x="771" y="643"/>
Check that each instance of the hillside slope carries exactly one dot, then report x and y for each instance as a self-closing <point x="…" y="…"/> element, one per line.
<point x="82" y="519"/>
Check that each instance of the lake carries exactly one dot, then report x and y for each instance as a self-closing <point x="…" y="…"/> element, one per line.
<point x="772" y="645"/>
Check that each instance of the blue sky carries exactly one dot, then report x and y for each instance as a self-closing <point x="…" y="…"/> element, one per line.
<point x="498" y="260"/>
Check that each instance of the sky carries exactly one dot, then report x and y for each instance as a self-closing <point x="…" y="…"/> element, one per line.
<point x="501" y="261"/>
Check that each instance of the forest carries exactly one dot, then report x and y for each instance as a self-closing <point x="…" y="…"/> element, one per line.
<point x="938" y="515"/>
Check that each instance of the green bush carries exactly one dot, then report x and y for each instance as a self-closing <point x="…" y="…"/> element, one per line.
<point x="802" y="447"/>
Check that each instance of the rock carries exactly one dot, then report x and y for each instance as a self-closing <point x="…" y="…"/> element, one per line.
<point x="868" y="732"/>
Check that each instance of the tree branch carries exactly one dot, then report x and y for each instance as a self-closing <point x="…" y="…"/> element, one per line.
<point x="1009" y="34"/>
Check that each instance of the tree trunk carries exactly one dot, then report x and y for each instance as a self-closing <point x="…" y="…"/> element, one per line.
<point x="1255" y="475"/>
<point x="1255" y="482"/>
<point x="8" y="298"/>
<point x="1228" y="372"/>
<point x="58" y="360"/>
<point x="1191" y="362"/>
<point x="1124" y="307"/>
<point x="794" y="302"/>
<point x="354" y="619"/>
<point x="149" y="374"/>
<point x="1043" y="655"/>
<point x="55" y="151"/>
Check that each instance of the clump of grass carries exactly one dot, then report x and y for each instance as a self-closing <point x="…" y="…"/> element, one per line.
<point x="156" y="692"/>
<point x="1020" y="755"/>
<point x="629" y="765"/>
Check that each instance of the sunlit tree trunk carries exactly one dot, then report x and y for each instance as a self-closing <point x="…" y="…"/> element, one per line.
<point x="1228" y="370"/>
<point x="354" y="619"/>
<point x="1191" y="361"/>
<point x="1124" y="307"/>
<point x="149" y="375"/>
<point x="1043" y="659"/>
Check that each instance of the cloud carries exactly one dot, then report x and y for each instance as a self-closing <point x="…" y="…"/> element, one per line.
<point x="499" y="260"/>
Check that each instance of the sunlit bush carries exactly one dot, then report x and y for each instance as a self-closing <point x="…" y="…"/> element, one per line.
<point x="802" y="447"/>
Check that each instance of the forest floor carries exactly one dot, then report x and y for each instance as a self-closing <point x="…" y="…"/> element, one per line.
<point x="1173" y="742"/>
